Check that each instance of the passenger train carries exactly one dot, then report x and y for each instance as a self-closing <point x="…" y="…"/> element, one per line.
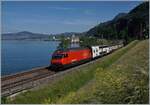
<point x="73" y="56"/>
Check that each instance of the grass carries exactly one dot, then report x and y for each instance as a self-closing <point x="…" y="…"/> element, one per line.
<point x="124" y="82"/>
<point x="62" y="90"/>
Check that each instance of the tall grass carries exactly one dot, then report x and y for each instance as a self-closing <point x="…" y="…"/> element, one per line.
<point x="70" y="83"/>
<point x="124" y="82"/>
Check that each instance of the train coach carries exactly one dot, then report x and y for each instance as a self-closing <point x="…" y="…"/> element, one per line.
<point x="98" y="51"/>
<point x="73" y="56"/>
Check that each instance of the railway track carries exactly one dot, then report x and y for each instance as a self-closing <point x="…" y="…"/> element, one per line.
<point x="16" y="83"/>
<point x="21" y="81"/>
<point x="12" y="84"/>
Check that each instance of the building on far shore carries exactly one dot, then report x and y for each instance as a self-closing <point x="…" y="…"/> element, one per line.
<point x="54" y="38"/>
<point x="75" y="39"/>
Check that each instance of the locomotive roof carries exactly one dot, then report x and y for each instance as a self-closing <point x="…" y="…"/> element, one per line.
<point x="71" y="49"/>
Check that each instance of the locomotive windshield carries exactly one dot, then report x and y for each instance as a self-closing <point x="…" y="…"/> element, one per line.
<point x="58" y="56"/>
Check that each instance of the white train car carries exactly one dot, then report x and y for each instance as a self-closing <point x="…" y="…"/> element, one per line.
<point x="101" y="50"/>
<point x="120" y="45"/>
<point x="114" y="47"/>
<point x="98" y="51"/>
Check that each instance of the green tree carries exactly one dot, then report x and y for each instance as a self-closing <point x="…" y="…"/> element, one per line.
<point x="124" y="35"/>
<point x="64" y="44"/>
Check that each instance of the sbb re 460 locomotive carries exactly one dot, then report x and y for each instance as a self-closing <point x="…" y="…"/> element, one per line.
<point x="73" y="56"/>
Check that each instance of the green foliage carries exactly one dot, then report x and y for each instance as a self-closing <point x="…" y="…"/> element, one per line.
<point x="51" y="93"/>
<point x="124" y="35"/>
<point x="64" y="44"/>
<point x="3" y="100"/>
<point x="126" y="81"/>
<point x="136" y="21"/>
<point x="146" y="32"/>
<point x="90" y="41"/>
<point x="87" y="41"/>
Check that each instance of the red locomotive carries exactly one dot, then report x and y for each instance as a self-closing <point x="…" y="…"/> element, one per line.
<point x="73" y="56"/>
<point x="68" y="57"/>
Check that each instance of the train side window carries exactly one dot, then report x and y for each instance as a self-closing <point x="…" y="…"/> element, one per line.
<point x="96" y="50"/>
<point x="66" y="55"/>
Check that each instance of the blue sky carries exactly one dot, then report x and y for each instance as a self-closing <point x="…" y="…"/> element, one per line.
<point x="57" y="17"/>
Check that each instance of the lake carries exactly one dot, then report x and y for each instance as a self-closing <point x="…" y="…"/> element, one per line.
<point x="18" y="56"/>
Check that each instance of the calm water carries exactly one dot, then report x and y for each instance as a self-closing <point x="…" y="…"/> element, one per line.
<point x="18" y="56"/>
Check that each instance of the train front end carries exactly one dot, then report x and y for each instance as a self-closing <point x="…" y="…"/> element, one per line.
<point x="58" y="60"/>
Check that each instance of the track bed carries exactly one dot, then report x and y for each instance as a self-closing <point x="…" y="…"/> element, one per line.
<point x="21" y="81"/>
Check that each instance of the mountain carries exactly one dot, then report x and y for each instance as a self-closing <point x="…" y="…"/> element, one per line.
<point x="66" y="34"/>
<point x="132" y="25"/>
<point x="120" y="15"/>
<point x="24" y="35"/>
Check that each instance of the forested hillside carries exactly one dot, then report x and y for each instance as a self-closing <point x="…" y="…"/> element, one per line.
<point x="127" y="26"/>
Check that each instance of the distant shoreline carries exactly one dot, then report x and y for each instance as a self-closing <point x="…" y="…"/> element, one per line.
<point x="27" y="40"/>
